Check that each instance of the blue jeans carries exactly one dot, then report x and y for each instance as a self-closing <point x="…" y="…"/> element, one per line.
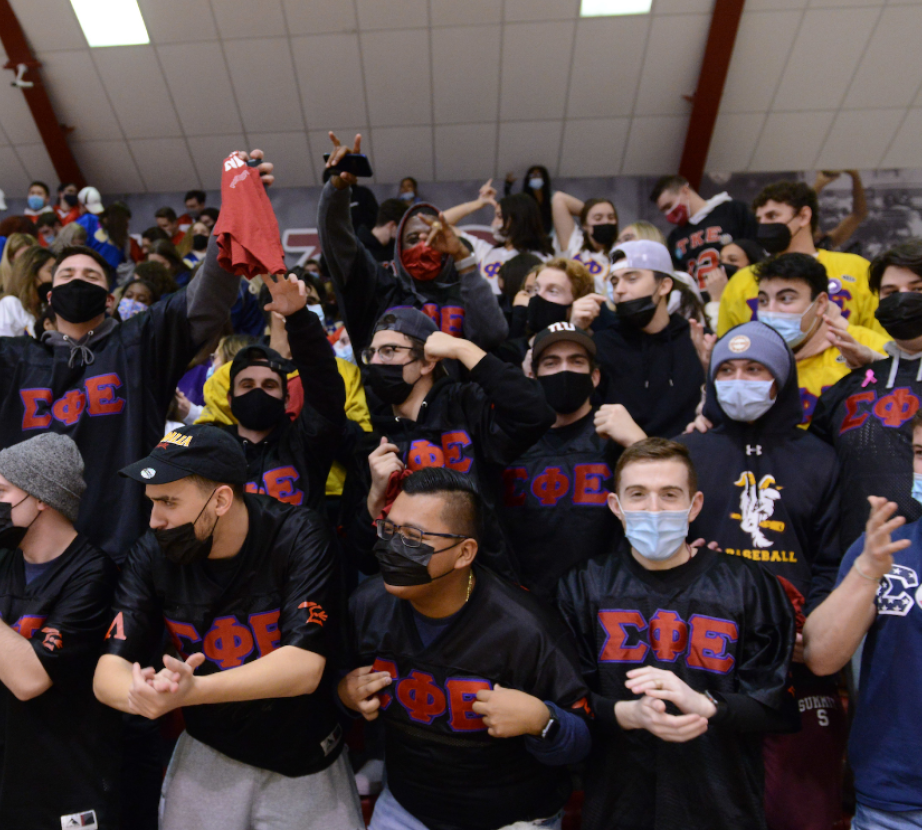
<point x="867" y="818"/>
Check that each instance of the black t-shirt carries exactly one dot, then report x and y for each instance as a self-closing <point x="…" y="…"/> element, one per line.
<point x="442" y="766"/>
<point x="281" y="589"/>
<point x="60" y="750"/>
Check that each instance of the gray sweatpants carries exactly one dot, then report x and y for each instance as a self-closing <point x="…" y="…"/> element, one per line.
<point x="206" y="790"/>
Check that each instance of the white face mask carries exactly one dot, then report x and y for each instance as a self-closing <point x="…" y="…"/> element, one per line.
<point x="744" y="400"/>
<point x="536" y="182"/>
<point x="317" y="309"/>
<point x="787" y="324"/>
<point x="656" y="534"/>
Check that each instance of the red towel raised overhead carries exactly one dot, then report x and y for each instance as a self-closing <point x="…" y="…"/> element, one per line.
<point x="248" y="232"/>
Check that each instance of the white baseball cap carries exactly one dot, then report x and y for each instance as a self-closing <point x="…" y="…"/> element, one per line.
<point x="89" y="197"/>
<point x="642" y="255"/>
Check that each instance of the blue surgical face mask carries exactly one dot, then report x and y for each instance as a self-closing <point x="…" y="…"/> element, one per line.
<point x="317" y="309"/>
<point x="744" y="400"/>
<point x="128" y="307"/>
<point x="656" y="534"/>
<point x="536" y="182"/>
<point x="210" y="372"/>
<point x="35" y="202"/>
<point x="344" y="351"/>
<point x="917" y="487"/>
<point x="408" y="195"/>
<point x="787" y="324"/>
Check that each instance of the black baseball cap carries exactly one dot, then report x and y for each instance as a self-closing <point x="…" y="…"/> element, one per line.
<point x="409" y="321"/>
<point x="259" y="355"/>
<point x="556" y="332"/>
<point x="198" y="450"/>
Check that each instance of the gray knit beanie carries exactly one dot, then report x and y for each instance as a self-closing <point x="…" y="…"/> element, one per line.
<point x="754" y="341"/>
<point x="49" y="467"/>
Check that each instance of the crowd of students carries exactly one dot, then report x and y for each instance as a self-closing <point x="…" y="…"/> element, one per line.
<point x="586" y="509"/>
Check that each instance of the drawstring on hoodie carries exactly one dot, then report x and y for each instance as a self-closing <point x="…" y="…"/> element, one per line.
<point x="79" y="347"/>
<point x="897" y="353"/>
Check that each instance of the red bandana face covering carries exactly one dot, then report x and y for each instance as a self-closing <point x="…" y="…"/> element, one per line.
<point x="422" y="262"/>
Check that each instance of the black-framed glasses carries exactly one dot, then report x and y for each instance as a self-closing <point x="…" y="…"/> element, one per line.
<point x="387" y="353"/>
<point x="412" y="536"/>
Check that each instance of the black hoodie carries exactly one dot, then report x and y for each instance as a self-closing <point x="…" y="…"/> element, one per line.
<point x="657" y="377"/>
<point x="771" y="492"/>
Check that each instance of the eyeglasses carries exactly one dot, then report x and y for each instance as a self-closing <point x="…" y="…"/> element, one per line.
<point x="412" y="536"/>
<point x="387" y="353"/>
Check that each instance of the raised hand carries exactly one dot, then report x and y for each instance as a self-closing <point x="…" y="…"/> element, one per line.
<point x="343" y="180"/>
<point x="703" y="343"/>
<point x="288" y="295"/>
<point x="876" y="559"/>
<point x="442" y="237"/>
<point x="584" y="310"/>
<point x="855" y="354"/>
<point x="613" y="421"/>
<point x="265" y="169"/>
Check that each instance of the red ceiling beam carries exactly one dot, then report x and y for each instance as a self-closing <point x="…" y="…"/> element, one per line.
<point x="725" y="23"/>
<point x="51" y="130"/>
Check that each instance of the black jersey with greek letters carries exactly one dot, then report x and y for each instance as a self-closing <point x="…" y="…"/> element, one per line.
<point x="554" y="511"/>
<point x="442" y="766"/>
<point x="281" y="589"/>
<point x="60" y="750"/>
<point x="719" y="623"/>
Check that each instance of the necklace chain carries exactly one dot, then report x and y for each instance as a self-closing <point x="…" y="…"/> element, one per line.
<point x="470" y="585"/>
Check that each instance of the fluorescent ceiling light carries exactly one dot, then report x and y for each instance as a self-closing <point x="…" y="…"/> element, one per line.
<point x="608" y="8"/>
<point x="111" y="22"/>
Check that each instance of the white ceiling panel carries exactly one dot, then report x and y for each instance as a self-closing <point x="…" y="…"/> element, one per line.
<point x="760" y="55"/>
<point x="108" y="166"/>
<point x="330" y="97"/>
<point x="208" y="153"/>
<point x="397" y="78"/>
<point x="671" y="64"/>
<point x="15" y="117"/>
<point x="392" y="14"/>
<point x="246" y="19"/>
<point x="401" y="151"/>
<point x="14" y="181"/>
<point x="468" y="13"/>
<point x="319" y="141"/>
<point x="178" y="21"/>
<point x="257" y="65"/>
<point x="529" y="10"/>
<point x="906" y="150"/>
<point x="201" y="88"/>
<point x="654" y="145"/>
<point x="34" y="157"/>
<point x="49" y="24"/>
<point x="126" y="69"/>
<point x="877" y="129"/>
<point x="842" y="4"/>
<point x="895" y="43"/>
<point x="791" y="140"/>
<point x="311" y="18"/>
<point x="524" y="143"/>
<point x="291" y="156"/>
<point x="734" y="141"/>
<point x="682" y="6"/>
<point x="607" y="59"/>
<point x="825" y="56"/>
<point x="534" y="80"/>
<point x="454" y="159"/>
<point x="78" y="96"/>
<point x="165" y="164"/>
<point x="775" y="5"/>
<point x="464" y="73"/>
<point x="593" y="146"/>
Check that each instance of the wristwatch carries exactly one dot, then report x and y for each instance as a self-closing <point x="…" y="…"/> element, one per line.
<point x="551" y="728"/>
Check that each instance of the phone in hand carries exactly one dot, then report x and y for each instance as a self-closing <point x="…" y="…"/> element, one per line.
<point x="354" y="163"/>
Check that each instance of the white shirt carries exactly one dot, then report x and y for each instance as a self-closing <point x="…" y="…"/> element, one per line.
<point x="597" y="264"/>
<point x="491" y="257"/>
<point x="15" y="321"/>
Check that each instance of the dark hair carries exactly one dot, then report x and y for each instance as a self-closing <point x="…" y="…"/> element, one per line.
<point x="588" y="205"/>
<point x="115" y="219"/>
<point x="657" y="449"/>
<point x="47" y="219"/>
<point x="752" y="249"/>
<point x="544" y="207"/>
<point x="410" y="179"/>
<point x="17" y="224"/>
<point x="210" y="211"/>
<point x="154" y="233"/>
<point x="42" y="185"/>
<point x="206" y="485"/>
<point x="391" y="210"/>
<point x="907" y="254"/>
<point x="665" y="183"/>
<point x="463" y="506"/>
<point x="198" y="195"/>
<point x="166" y="249"/>
<point x="39" y="328"/>
<point x="796" y="194"/>
<point x="157" y="275"/>
<point x="801" y="267"/>
<point x="75" y="250"/>
<point x="154" y="293"/>
<point x="916" y="421"/>
<point x="514" y="271"/>
<point x="522" y="223"/>
<point x="64" y="185"/>
<point x="166" y="213"/>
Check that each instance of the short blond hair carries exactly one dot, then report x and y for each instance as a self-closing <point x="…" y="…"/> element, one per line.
<point x="581" y="281"/>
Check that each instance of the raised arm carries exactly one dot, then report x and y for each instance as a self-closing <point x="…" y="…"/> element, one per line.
<point x="487" y="196"/>
<point x="563" y="208"/>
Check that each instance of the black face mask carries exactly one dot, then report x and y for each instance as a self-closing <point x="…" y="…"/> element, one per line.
<point x="199" y="242"/>
<point x="543" y="313"/>
<point x="401" y="565"/>
<point x="566" y="392"/>
<point x="729" y="269"/>
<point x="10" y="534"/>
<point x="605" y="234"/>
<point x="70" y="199"/>
<point x="180" y="544"/>
<point x="387" y="382"/>
<point x="637" y="313"/>
<point x="774" y="237"/>
<point x="44" y="292"/>
<point x="257" y="409"/>
<point x="79" y="301"/>
<point x="901" y="315"/>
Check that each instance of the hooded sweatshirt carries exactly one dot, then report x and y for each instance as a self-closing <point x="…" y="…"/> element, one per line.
<point x="461" y="304"/>
<point x="657" y="377"/>
<point x="866" y="417"/>
<point x="771" y="492"/>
